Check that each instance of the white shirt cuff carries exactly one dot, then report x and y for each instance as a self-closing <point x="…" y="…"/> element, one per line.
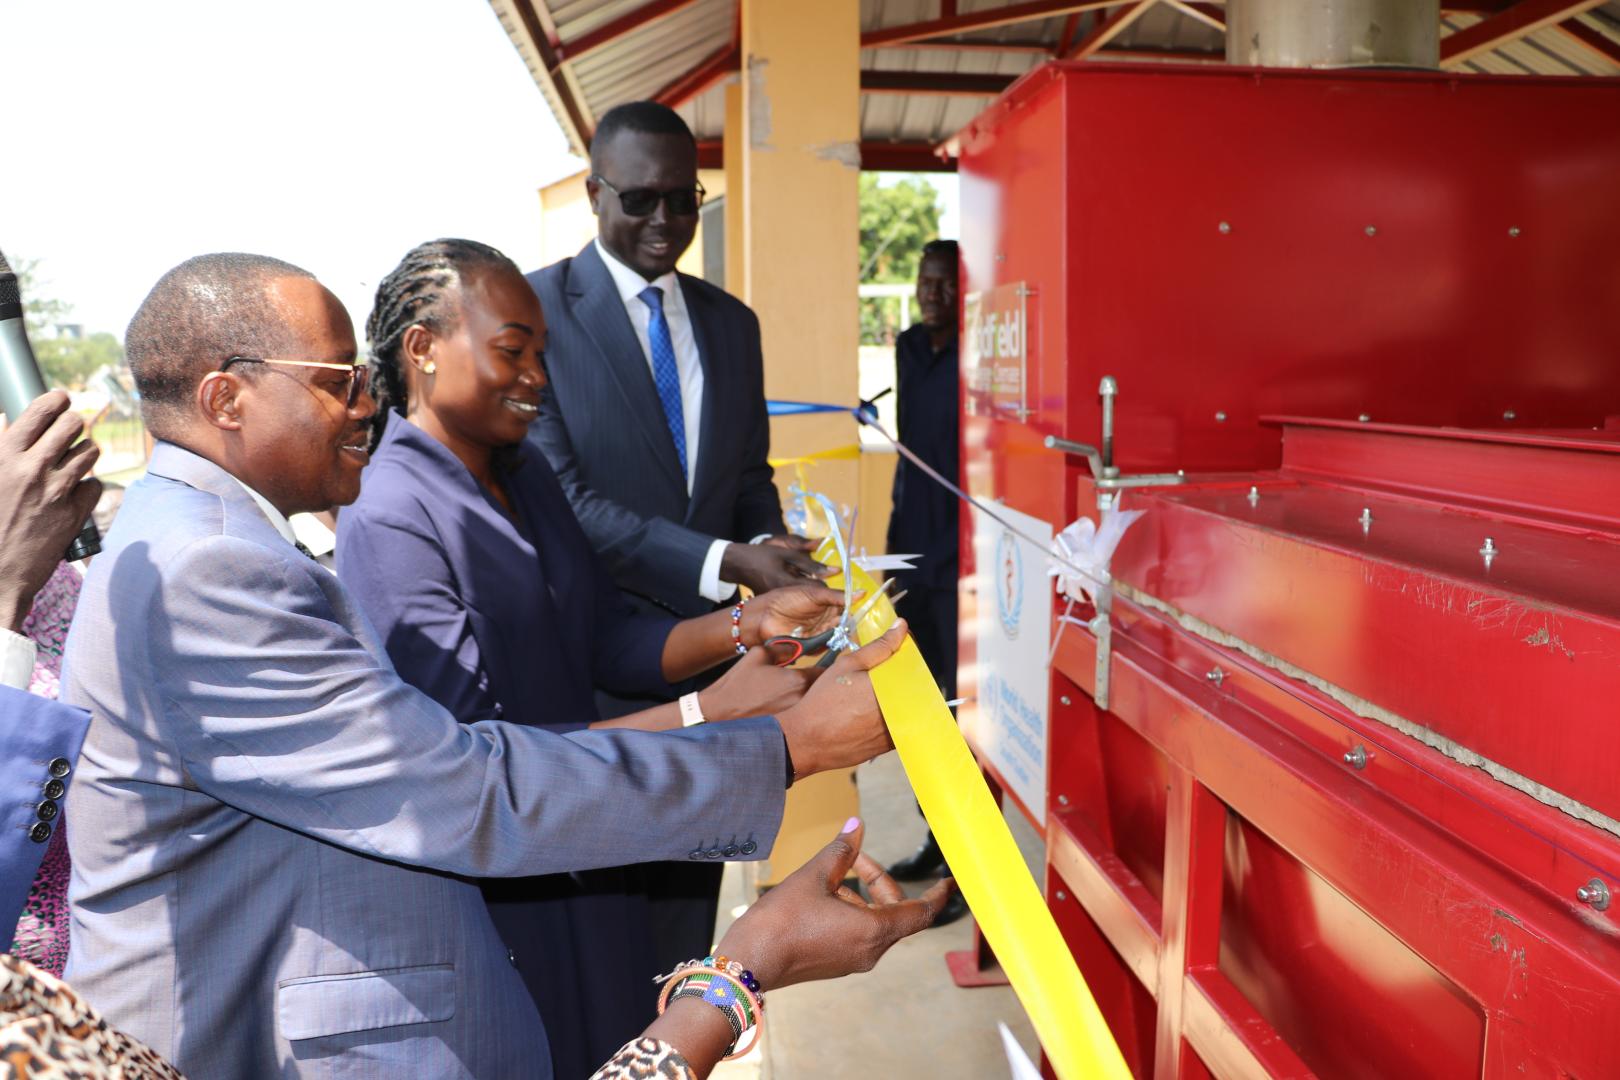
<point x="710" y="587"/>
<point x="17" y="655"/>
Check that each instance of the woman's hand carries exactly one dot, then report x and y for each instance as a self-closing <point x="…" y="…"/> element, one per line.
<point x="813" y="927"/>
<point x="755" y="687"/>
<point x="805" y="610"/>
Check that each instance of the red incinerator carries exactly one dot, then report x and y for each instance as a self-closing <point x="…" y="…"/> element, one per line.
<point x="1334" y="788"/>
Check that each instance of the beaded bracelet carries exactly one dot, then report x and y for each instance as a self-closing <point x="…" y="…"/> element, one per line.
<point x="750" y="999"/>
<point x="736" y="626"/>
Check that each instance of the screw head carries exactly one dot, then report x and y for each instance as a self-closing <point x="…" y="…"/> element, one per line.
<point x="1220" y="417"/>
<point x="1356" y="757"/>
<point x="1215" y="675"/>
<point x="1063" y="800"/>
<point x="1254" y="495"/>
<point x="1060" y="895"/>
<point x="1063" y="699"/>
<point x="1364" y="418"/>
<point x="1224" y="227"/>
<point x="1371" y="230"/>
<point x="1513" y="230"/>
<point x="1509" y="414"/>
<point x="1595" y="894"/>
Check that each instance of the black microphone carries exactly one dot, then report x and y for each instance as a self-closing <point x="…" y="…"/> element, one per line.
<point x="20" y="383"/>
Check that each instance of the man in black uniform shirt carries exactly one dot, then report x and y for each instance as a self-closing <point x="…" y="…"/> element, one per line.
<point x="924" y="520"/>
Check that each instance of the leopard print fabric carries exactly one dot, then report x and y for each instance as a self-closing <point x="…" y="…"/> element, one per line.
<point x="48" y="1032"/>
<point x="646" y="1059"/>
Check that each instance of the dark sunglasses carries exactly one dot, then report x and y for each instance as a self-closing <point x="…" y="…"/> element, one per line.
<point x="357" y="373"/>
<point x="639" y="202"/>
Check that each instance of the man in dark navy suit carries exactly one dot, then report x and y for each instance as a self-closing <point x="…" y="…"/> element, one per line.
<point x="654" y="419"/>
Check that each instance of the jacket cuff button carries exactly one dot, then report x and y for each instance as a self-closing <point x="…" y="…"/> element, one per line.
<point x="54" y="789"/>
<point x="47" y="810"/>
<point x="60" y="767"/>
<point x="749" y="847"/>
<point x="40" y="833"/>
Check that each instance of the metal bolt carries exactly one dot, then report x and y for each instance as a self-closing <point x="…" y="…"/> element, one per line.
<point x="1220" y="417"/>
<point x="1063" y="800"/>
<point x="1254" y="495"/>
<point x="1594" y="894"/>
<point x="1510" y="415"/>
<point x="1366" y="518"/>
<point x="1225" y="227"/>
<point x="1364" y="417"/>
<point x="1063" y="699"/>
<point x="1060" y="895"/>
<point x="1372" y="230"/>
<point x="1215" y="675"/>
<point x="1357" y="757"/>
<point x="1489" y="549"/>
<point x="1513" y="230"/>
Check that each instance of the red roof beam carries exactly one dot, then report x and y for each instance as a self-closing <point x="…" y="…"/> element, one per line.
<point x="958" y="45"/>
<point x="933" y="82"/>
<point x="903" y="157"/>
<point x="613" y="29"/>
<point x="1520" y="20"/>
<point x="534" y="15"/>
<point x="1108" y="29"/>
<point x="1596" y="40"/>
<point x="977" y="20"/>
<point x="716" y="66"/>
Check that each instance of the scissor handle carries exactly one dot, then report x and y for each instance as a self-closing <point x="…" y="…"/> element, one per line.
<point x="799" y="645"/>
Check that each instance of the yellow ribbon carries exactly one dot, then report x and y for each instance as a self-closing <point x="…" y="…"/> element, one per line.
<point x="851" y="452"/>
<point x="982" y="855"/>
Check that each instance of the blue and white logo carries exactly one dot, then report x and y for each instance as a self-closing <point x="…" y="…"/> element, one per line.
<point x="1008" y="576"/>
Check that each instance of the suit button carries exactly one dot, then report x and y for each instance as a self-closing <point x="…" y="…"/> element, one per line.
<point x="731" y="851"/>
<point x="47" y="810"/>
<point x="60" y="767"/>
<point x="695" y="853"/>
<point x="40" y="833"/>
<point x="749" y="847"/>
<point x="712" y="853"/>
<point x="54" y="789"/>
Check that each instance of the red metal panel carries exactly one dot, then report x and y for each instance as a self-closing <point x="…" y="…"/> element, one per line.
<point x="1444" y="315"/>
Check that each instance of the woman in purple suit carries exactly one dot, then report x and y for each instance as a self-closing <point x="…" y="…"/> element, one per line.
<point x="465" y="555"/>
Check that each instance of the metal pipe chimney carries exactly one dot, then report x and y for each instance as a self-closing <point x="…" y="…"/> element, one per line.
<point x="1333" y="33"/>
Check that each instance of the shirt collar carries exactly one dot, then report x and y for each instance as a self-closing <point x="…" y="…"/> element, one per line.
<point x="277" y="518"/>
<point x="631" y="284"/>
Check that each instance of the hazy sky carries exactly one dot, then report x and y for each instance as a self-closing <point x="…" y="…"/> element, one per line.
<point x="335" y="134"/>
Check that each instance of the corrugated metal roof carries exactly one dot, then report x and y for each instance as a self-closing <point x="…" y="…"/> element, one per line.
<point x="644" y="61"/>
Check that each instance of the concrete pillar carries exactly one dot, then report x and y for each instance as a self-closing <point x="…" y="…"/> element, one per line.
<point x="736" y="228"/>
<point x="800" y="162"/>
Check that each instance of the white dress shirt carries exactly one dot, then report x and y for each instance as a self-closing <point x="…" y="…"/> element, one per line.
<point x="689" y="367"/>
<point x="17" y="655"/>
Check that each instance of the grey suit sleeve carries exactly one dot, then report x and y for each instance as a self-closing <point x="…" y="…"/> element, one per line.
<point x="278" y="710"/>
<point x="759" y="504"/>
<point x="642" y="553"/>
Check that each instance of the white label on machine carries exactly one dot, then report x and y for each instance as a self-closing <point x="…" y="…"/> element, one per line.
<point x="1015" y="628"/>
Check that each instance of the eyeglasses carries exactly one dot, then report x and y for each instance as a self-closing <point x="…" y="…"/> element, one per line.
<point x="358" y="374"/>
<point x="640" y="202"/>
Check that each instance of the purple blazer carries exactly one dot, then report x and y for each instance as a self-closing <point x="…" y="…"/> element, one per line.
<point x="495" y="616"/>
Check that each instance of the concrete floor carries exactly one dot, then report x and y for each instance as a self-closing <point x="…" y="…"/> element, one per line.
<point x="904" y="1019"/>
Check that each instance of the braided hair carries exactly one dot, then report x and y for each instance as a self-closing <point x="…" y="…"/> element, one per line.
<point x="417" y="292"/>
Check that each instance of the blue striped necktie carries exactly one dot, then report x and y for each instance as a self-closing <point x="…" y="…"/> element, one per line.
<point x="665" y="374"/>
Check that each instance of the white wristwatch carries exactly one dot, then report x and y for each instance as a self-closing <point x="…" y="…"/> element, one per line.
<point x="691" y="711"/>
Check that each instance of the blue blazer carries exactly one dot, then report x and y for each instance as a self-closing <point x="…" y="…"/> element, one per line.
<point x="272" y="831"/>
<point x="603" y="430"/>
<point x="39" y="747"/>
<point x="493" y="616"/>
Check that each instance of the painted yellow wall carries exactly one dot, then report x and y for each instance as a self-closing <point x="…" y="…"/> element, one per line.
<point x="567" y="224"/>
<point x="800" y="164"/>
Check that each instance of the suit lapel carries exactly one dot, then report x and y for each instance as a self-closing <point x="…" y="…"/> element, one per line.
<point x="709" y="333"/>
<point x="594" y="301"/>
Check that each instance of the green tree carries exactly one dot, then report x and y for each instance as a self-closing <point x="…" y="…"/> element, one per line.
<point x="63" y="361"/>
<point x="896" y="221"/>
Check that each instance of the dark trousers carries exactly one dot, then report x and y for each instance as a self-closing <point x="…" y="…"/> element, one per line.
<point x="931" y="614"/>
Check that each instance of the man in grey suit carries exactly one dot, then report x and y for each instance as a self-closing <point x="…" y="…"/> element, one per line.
<point x="271" y="827"/>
